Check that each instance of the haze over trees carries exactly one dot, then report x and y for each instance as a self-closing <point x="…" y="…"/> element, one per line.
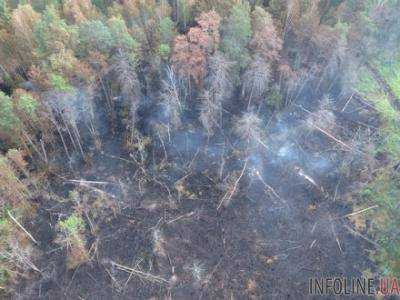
<point x="194" y="148"/>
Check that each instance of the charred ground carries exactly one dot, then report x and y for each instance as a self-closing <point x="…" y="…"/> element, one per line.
<point x="270" y="237"/>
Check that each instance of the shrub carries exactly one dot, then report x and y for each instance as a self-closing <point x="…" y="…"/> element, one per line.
<point x="71" y="235"/>
<point x="60" y="84"/>
<point x="164" y="51"/>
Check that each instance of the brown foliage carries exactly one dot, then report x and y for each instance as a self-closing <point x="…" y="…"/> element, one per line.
<point x="23" y="21"/>
<point x="308" y="26"/>
<point x="17" y="157"/>
<point x="11" y="188"/>
<point x="266" y="40"/>
<point x="190" y="52"/>
<point x="64" y="62"/>
<point x="8" y="57"/>
<point x="145" y="16"/>
<point x="97" y="62"/>
<point x="39" y="77"/>
<point x="78" y="11"/>
<point x="188" y="59"/>
<point x="144" y="9"/>
<point x="209" y="23"/>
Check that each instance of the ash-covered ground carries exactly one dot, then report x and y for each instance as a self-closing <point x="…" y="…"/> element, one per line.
<point x="236" y="216"/>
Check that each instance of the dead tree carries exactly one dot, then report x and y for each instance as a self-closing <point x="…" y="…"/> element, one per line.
<point x="127" y="78"/>
<point x="171" y="103"/>
<point x="68" y="111"/>
<point x="219" y="80"/>
<point x="256" y="79"/>
<point x="248" y="128"/>
<point x="219" y="88"/>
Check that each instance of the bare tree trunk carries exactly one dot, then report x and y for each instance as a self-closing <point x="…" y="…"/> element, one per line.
<point x="77" y="137"/>
<point x="44" y="151"/>
<point x="62" y="140"/>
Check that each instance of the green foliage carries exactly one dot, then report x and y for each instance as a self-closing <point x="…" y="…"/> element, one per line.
<point x="9" y="122"/>
<point x="167" y="30"/>
<point x="101" y="4"/>
<point x="389" y="137"/>
<point x="387" y="112"/>
<point x="4" y="13"/>
<point x="390" y="71"/>
<point x="384" y="190"/>
<point x="380" y="23"/>
<point x="52" y="33"/>
<point x="184" y="13"/>
<point x="40" y="5"/>
<point x="164" y="51"/>
<point x="343" y="29"/>
<point x="389" y="141"/>
<point x="73" y="195"/>
<point x="121" y="37"/>
<point x="72" y="235"/>
<point x="5" y="230"/>
<point x="28" y="105"/>
<point x="73" y="225"/>
<point x="237" y="33"/>
<point x="60" y="84"/>
<point x="5" y="227"/>
<point x="5" y="233"/>
<point x="94" y="35"/>
<point x="366" y="84"/>
<point x="4" y="276"/>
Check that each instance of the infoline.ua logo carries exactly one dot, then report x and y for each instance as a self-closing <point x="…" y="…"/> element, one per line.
<point x="353" y="286"/>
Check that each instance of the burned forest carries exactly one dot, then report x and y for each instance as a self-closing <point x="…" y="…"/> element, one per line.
<point x="197" y="149"/>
